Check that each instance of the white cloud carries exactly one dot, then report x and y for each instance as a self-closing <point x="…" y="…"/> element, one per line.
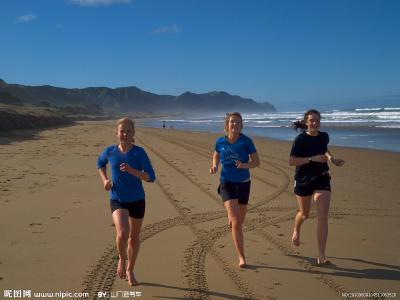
<point x="166" y="29"/>
<point x="26" y="18"/>
<point x="98" y="2"/>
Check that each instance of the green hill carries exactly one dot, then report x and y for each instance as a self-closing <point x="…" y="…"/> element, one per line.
<point x="132" y="99"/>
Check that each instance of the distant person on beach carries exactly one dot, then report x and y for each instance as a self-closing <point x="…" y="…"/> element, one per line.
<point x="310" y="155"/>
<point x="237" y="154"/>
<point x="163" y="124"/>
<point x="129" y="165"/>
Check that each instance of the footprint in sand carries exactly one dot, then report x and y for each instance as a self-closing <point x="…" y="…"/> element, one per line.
<point x="35" y="224"/>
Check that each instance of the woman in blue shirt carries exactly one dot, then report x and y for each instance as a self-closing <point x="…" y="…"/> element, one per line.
<point x="237" y="154"/>
<point x="129" y="166"/>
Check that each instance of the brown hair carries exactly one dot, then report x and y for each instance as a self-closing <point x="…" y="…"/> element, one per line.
<point x="227" y="117"/>
<point x="302" y="123"/>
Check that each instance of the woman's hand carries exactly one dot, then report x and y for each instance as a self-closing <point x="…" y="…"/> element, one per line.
<point x="337" y="161"/>
<point x="213" y="169"/>
<point x="107" y="184"/>
<point x="241" y="165"/>
<point x="124" y="167"/>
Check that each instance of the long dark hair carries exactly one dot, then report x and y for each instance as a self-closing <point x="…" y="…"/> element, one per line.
<point x="301" y="124"/>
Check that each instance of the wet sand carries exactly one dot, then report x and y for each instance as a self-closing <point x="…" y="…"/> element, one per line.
<point x="57" y="232"/>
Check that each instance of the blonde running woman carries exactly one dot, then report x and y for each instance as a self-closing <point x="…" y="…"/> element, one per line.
<point x="129" y="167"/>
<point x="237" y="154"/>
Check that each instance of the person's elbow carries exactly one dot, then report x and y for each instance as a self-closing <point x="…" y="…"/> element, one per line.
<point x="151" y="177"/>
<point x="254" y="160"/>
<point x="292" y="161"/>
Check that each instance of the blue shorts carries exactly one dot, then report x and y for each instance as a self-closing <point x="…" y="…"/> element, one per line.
<point x="235" y="190"/>
<point x="136" y="208"/>
<point x="307" y="186"/>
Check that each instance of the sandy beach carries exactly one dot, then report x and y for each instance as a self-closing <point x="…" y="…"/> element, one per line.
<point x="57" y="233"/>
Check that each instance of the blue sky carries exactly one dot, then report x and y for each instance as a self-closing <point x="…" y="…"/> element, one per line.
<point x="284" y="52"/>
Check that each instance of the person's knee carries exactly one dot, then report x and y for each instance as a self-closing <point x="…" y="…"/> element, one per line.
<point x="123" y="235"/>
<point x="304" y="214"/>
<point x="236" y="222"/>
<point x="134" y="240"/>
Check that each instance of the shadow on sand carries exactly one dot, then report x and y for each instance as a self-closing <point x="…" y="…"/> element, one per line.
<point x="211" y="293"/>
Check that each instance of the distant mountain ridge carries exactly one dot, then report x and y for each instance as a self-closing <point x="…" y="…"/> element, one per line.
<point x="129" y="99"/>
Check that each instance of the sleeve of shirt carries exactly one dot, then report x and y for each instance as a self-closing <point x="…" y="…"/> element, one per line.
<point x="147" y="167"/>
<point x="295" y="148"/>
<point x="327" y="138"/>
<point x="102" y="160"/>
<point x="216" y="148"/>
<point x="250" y="147"/>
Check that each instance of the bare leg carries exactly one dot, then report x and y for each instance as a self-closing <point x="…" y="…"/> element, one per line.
<point x="322" y="200"/>
<point x="243" y="211"/>
<point x="133" y="248"/>
<point x="121" y="221"/>
<point x="302" y="214"/>
<point x="235" y="219"/>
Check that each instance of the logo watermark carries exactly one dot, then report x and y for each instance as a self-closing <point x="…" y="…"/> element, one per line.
<point x="372" y="295"/>
<point x="119" y="294"/>
<point x="18" y="294"/>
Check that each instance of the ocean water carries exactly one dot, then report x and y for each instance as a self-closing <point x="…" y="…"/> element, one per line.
<point x="371" y="128"/>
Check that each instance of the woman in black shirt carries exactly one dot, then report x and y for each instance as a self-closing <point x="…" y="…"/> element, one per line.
<point x="310" y="155"/>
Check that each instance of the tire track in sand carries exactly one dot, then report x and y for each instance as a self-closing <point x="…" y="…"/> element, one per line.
<point x="102" y="277"/>
<point x="257" y="227"/>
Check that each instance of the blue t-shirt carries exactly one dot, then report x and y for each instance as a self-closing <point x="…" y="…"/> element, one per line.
<point x="229" y="153"/>
<point x="126" y="187"/>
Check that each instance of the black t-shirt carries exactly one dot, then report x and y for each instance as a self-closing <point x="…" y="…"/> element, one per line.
<point x="306" y="145"/>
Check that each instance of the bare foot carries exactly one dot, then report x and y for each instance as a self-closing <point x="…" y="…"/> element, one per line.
<point x="131" y="278"/>
<point x="296" y="238"/>
<point x="323" y="262"/>
<point x="121" y="270"/>
<point x="242" y="263"/>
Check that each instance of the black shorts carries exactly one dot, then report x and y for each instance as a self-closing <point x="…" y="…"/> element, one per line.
<point x="136" y="209"/>
<point x="307" y="186"/>
<point x="235" y="190"/>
